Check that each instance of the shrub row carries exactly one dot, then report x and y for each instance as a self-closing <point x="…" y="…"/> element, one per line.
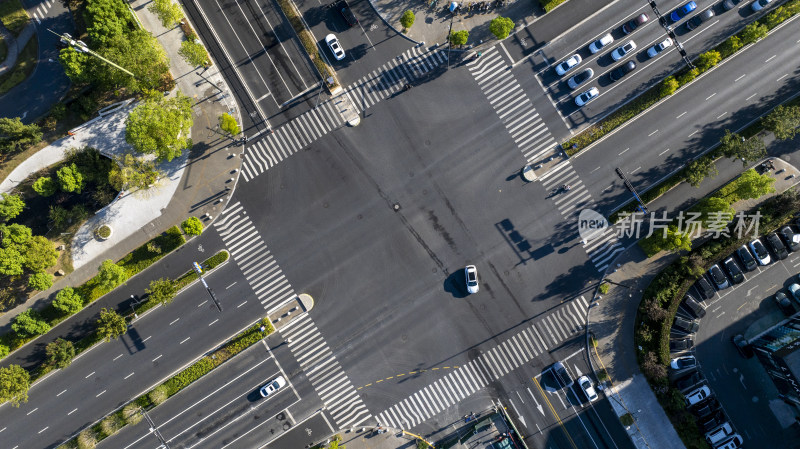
<point x="306" y="39"/>
<point x="669" y="85"/>
<point x="549" y="5"/>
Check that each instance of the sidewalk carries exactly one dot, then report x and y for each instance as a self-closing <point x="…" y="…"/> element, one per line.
<point x="15" y="45"/>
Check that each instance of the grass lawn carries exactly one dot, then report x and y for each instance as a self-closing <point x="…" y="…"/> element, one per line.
<point x="26" y="62"/>
<point x="13" y="16"/>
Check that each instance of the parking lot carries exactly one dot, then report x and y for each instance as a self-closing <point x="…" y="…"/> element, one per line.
<point x="746" y="393"/>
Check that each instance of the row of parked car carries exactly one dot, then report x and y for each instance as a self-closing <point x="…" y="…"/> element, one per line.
<point x="701" y="402"/>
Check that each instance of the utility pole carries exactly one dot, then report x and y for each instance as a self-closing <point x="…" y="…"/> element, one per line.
<point x="83" y="48"/>
<point x="642" y="208"/>
<point x="199" y="272"/>
<point x="450" y="37"/>
<point x="663" y="21"/>
<point x="153" y="429"/>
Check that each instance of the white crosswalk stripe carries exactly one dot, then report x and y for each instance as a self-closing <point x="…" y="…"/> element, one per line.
<point x="512" y="106"/>
<point x="563" y="323"/>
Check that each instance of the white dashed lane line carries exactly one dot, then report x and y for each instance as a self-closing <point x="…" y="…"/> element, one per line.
<point x="784" y="76"/>
<point x="770" y="58"/>
<point x="129" y="375"/>
<point x="174" y="321"/>
<point x="662" y="153"/>
<point x="652" y="133"/>
<point x="751" y="96"/>
<point x="684" y="113"/>
<point x="737" y="79"/>
<point x="89" y="375"/>
<point x="709" y="97"/>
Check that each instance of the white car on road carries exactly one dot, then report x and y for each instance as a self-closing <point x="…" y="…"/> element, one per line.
<point x="335" y="47"/>
<point x="272" y="387"/>
<point x="659" y="47"/>
<point x="599" y="44"/>
<point x="587" y="96"/>
<point x="567" y="65"/>
<point x="471" y="274"/>
<point x="620" y="52"/>
<point x="588" y="388"/>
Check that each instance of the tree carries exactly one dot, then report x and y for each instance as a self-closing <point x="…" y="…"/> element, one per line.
<point x="14" y="234"/>
<point x="753" y="185"/>
<point x="40" y="254"/>
<point x="677" y="240"/>
<point x="730" y="46"/>
<point x="45" y="186"/>
<point x="753" y="32"/>
<point x="133" y="173"/>
<point x="651" y="368"/>
<point x="654" y="311"/>
<point x="712" y="207"/>
<point x="734" y="146"/>
<point x="140" y="53"/>
<point x="70" y="178"/>
<point x="459" y="37"/>
<point x="40" y="281"/>
<point x="106" y="19"/>
<point x="158" y="395"/>
<point x="192" y="226"/>
<point x="60" y="353"/>
<point x="407" y="19"/>
<point x="16" y="136"/>
<point x="707" y="60"/>
<point x="688" y="76"/>
<point x="169" y="13"/>
<point x="131" y="415"/>
<point x="10" y="206"/>
<point x="699" y="169"/>
<point x="111" y="325"/>
<point x="228" y="124"/>
<point x="501" y="27"/>
<point x="162" y="291"/>
<point x="110" y="275"/>
<point x="76" y="64"/>
<point x="29" y="324"/>
<point x="783" y="121"/>
<point x="68" y="301"/>
<point x="194" y="53"/>
<point x="669" y="86"/>
<point x="14" y="384"/>
<point x="160" y="126"/>
<point x="11" y="261"/>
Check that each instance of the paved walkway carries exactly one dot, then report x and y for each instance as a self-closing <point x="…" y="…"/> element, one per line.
<point x="15" y="45"/>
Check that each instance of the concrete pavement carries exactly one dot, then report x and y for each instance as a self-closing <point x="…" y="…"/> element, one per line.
<point x="14" y="44"/>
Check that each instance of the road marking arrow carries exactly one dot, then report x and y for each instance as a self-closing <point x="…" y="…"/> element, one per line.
<point x="519" y="415"/>
<point x="538" y="406"/>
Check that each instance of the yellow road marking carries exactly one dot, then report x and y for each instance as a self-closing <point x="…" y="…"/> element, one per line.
<point x="740" y="307"/>
<point x="379" y="381"/>
<point x="390" y="377"/>
<point x="553" y="410"/>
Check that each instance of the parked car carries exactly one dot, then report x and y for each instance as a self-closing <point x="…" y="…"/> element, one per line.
<point x="347" y="13"/>
<point x="680" y="345"/>
<point x="794" y="289"/>
<point x="784" y="304"/>
<point x="746" y="258"/>
<point x="272" y="386"/>
<point x="760" y="251"/>
<point x="712" y="422"/>
<point x="685" y="325"/>
<point x="706" y="408"/>
<point x="734" y="442"/>
<point x="697" y="395"/>
<point x="698" y="19"/>
<point x="588" y="388"/>
<point x="758" y="5"/>
<point x="471" y="275"/>
<point x="568" y="64"/>
<point x="587" y="96"/>
<point x="728" y="5"/>
<point x="733" y="270"/>
<point x="580" y="78"/>
<point x="598" y="45"/>
<point x="562" y="376"/>
<point x="622" y="70"/>
<point x="697" y="309"/>
<point x="335" y="47"/>
<point x="777" y="246"/>
<point x="790" y="238"/>
<point x="705" y="288"/>
<point x="742" y="346"/>
<point x="689" y="381"/>
<point x="718" y="277"/>
<point x="681" y="12"/>
<point x="634" y="23"/>
<point x="659" y="47"/>
<point x="719" y="434"/>
<point x="680" y="363"/>
<point x="623" y="50"/>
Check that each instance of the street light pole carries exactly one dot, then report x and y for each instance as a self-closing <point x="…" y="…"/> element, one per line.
<point x="450" y="38"/>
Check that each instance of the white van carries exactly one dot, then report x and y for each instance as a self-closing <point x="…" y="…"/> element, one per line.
<point x="718" y="434"/>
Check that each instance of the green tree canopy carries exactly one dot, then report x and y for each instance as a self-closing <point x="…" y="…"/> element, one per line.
<point x="194" y="53"/>
<point x="169" y="13"/>
<point x="110" y="275"/>
<point x="40" y="254"/>
<point x="459" y="37"/>
<point x="110" y="325"/>
<point x="501" y="27"/>
<point x="133" y="173"/>
<point x="106" y="19"/>
<point x="29" y="324"/>
<point x="60" y="353"/>
<point x="14" y="385"/>
<point x="14" y="234"/>
<point x="162" y="291"/>
<point x="707" y="60"/>
<point x="140" y="53"/>
<point x="10" y="206"/>
<point x="699" y="169"/>
<point x="45" y="186"/>
<point x="160" y="126"/>
<point x="228" y="124"/>
<point x="407" y="19"/>
<point x="734" y="146"/>
<point x="783" y="121"/>
<point x="751" y="185"/>
<point x="753" y="32"/>
<point x="709" y="207"/>
<point x="40" y="281"/>
<point x="669" y="86"/>
<point x="70" y="178"/>
<point x="11" y="261"/>
<point x="16" y="136"/>
<point x="192" y="226"/>
<point x="68" y="301"/>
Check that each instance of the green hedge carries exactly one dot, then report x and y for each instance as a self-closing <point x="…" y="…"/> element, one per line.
<point x="549" y="5"/>
<point x="306" y="39"/>
<point x="683" y="76"/>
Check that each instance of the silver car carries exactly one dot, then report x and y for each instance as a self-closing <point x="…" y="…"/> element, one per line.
<point x="580" y="78"/>
<point x="623" y="50"/>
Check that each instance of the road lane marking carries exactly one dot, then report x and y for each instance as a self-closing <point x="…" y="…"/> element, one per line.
<point x="553" y="410"/>
<point x="693" y="133"/>
<point x="201" y="304"/>
<point x="100" y="394"/>
<point x="212" y="323"/>
<point x="652" y="133"/>
<point x="44" y="429"/>
<point x="637" y="169"/>
<point x="184" y="340"/>
<point x="129" y="375"/>
<point x="73" y="411"/>
<point x="29" y="413"/>
<point x="721" y="115"/>
<point x="784" y="76"/>
<point x="662" y="153"/>
<point x="230" y="286"/>
<point x="148" y="338"/>
<point x="751" y="96"/>
<point x="174" y="321"/>
<point x="770" y="58"/>
<point x="115" y="358"/>
<point x="240" y="305"/>
<point x="598" y="168"/>
<point x="737" y="79"/>
<point x="159" y="356"/>
<point x="709" y="97"/>
<point x="623" y="151"/>
<point x="59" y="394"/>
<point x="89" y="375"/>
<point x="684" y="113"/>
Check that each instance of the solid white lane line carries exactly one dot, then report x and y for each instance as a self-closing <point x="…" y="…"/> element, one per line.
<point x="722" y="115"/>
<point x="59" y="394"/>
<point x="784" y="76"/>
<point x="115" y="358"/>
<point x="623" y="152"/>
<point x="29" y="413"/>
<point x="212" y="323"/>
<point x="693" y="133"/>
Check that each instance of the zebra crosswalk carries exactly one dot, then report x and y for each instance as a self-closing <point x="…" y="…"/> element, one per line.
<point x="302" y="131"/>
<point x="325" y="373"/>
<point x="254" y="258"/>
<point x="512" y="105"/>
<point x="531" y="341"/>
<point x="601" y="249"/>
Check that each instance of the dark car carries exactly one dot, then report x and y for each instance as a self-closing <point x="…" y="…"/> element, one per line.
<point x="694" y="306"/>
<point x="705" y="288"/>
<point x="698" y="19"/>
<point x="727" y="5"/>
<point x="634" y="23"/>
<point x="621" y="71"/>
<point x="784" y="303"/>
<point x="685" y="325"/>
<point x="347" y="13"/>
<point x="790" y="238"/>
<point x="562" y="376"/>
<point x="777" y="246"/>
<point x="680" y="345"/>
<point x="716" y="275"/>
<point x="747" y="260"/>
<point x="733" y="270"/>
<point x="711" y="422"/>
<point x="706" y="408"/>
<point x="689" y="381"/>
<point x="741" y="345"/>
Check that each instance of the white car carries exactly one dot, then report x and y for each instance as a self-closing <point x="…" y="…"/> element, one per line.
<point x="620" y="52"/>
<point x="758" y="5"/>
<point x="598" y="45"/>
<point x="471" y="273"/>
<point x="272" y="387"/>
<point x="761" y="253"/>
<point x="567" y="65"/>
<point x="335" y="47"/>
<point x="659" y="47"/>
<point x="587" y="96"/>
<point x="680" y="363"/>
<point x="580" y="78"/>
<point x="698" y="395"/>
<point x="588" y="388"/>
